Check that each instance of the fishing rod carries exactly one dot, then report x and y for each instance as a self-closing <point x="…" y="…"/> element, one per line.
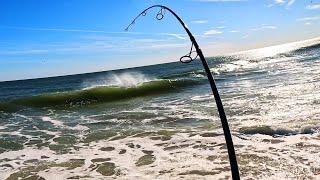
<point x="187" y="59"/>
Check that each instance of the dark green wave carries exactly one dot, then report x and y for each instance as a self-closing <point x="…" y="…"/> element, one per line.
<point x="98" y="94"/>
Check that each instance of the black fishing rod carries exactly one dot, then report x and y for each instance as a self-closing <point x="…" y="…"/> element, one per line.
<point x="186" y="59"/>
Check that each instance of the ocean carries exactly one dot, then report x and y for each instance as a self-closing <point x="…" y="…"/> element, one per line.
<point x="161" y="121"/>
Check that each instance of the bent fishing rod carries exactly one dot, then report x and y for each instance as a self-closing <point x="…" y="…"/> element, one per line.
<point x="187" y="59"/>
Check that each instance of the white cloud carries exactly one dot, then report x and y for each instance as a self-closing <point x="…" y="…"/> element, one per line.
<point x="221" y="0"/>
<point x="212" y="32"/>
<point x="93" y="44"/>
<point x="279" y="1"/>
<point x="245" y="36"/>
<point x="313" y="7"/>
<point x="53" y="29"/>
<point x="287" y="3"/>
<point x="220" y="27"/>
<point x="264" y="27"/>
<point x="311" y="18"/>
<point x="269" y="27"/>
<point x="200" y="21"/>
<point x="234" y="31"/>
<point x="179" y="36"/>
<point x="290" y="2"/>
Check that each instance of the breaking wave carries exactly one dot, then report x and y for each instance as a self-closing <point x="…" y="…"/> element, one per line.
<point x="100" y="94"/>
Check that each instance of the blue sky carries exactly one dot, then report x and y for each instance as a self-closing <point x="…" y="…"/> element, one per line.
<point x="41" y="38"/>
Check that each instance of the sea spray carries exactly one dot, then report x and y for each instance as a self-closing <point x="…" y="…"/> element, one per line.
<point x="126" y="79"/>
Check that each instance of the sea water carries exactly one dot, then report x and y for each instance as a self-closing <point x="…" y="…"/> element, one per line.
<point x="161" y="121"/>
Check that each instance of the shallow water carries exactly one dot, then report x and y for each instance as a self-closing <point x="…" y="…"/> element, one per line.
<point x="161" y="121"/>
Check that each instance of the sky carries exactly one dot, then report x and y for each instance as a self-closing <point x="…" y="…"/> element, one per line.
<point x="43" y="38"/>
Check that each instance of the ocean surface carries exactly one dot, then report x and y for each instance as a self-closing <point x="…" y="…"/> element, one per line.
<point x="161" y="121"/>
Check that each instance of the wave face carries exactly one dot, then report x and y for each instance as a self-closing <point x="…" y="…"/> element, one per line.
<point x="102" y="94"/>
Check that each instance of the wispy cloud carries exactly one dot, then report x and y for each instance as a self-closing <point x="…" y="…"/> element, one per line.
<point x="65" y="47"/>
<point x="311" y="18"/>
<point x="26" y="51"/>
<point x="286" y="3"/>
<point x="264" y="27"/>
<point x="221" y="27"/>
<point x="52" y="29"/>
<point x="245" y="36"/>
<point x="234" y="31"/>
<point x="94" y="44"/>
<point x="279" y="1"/>
<point x="291" y="2"/>
<point x="221" y="0"/>
<point x="313" y="6"/>
<point x="179" y="36"/>
<point x="200" y="21"/>
<point x="212" y="32"/>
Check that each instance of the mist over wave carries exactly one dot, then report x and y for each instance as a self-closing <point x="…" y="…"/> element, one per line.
<point x="126" y="79"/>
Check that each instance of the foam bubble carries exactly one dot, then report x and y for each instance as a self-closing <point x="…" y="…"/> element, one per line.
<point x="52" y="121"/>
